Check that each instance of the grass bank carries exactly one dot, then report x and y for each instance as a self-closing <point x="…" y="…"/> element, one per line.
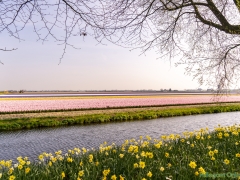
<point x="103" y="116"/>
<point x="193" y="155"/>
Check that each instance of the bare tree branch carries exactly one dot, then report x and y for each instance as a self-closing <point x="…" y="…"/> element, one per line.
<point x="204" y="35"/>
<point x="5" y="49"/>
<point x="13" y="49"/>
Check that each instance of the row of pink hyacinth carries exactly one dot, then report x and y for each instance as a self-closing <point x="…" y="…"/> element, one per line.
<point x="58" y="104"/>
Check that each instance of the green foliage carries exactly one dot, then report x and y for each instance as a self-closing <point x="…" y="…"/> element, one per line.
<point x="27" y="123"/>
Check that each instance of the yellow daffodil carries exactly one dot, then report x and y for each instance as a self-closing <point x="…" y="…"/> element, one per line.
<point x="84" y="150"/>
<point x="106" y="172"/>
<point x="169" y="165"/>
<point x="161" y="169"/>
<point x="226" y="161"/>
<point x="113" y="177"/>
<point x="12" y="177"/>
<point x="142" y="164"/>
<point x="27" y="170"/>
<point x="50" y="163"/>
<point x="69" y="159"/>
<point x="213" y="158"/>
<point x="121" y="155"/>
<point x="149" y="154"/>
<point x="201" y="170"/>
<point x="81" y="173"/>
<point x="90" y="157"/>
<point x="40" y="157"/>
<point x="121" y="177"/>
<point x="226" y="134"/>
<point x="148" y="137"/>
<point x="157" y="145"/>
<point x="143" y="154"/>
<point x="219" y="135"/>
<point x="135" y="165"/>
<point x="192" y="164"/>
<point x="149" y="174"/>
<point x="211" y="153"/>
<point x="10" y="171"/>
<point x="166" y="155"/>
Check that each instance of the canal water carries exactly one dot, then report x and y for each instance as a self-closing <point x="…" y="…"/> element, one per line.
<point x="32" y="142"/>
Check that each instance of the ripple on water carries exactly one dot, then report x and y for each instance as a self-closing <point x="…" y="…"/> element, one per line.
<point x="32" y="142"/>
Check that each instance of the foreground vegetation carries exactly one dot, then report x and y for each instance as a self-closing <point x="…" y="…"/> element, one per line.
<point x="192" y="155"/>
<point x="36" y="122"/>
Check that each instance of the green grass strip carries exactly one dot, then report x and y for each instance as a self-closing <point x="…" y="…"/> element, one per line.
<point x="28" y="123"/>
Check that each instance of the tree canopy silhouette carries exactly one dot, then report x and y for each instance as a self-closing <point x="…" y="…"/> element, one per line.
<point x="202" y="34"/>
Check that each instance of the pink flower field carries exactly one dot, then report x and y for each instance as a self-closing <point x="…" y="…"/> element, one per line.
<point x="58" y="104"/>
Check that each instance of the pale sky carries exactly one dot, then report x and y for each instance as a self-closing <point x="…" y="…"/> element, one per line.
<point x="34" y="66"/>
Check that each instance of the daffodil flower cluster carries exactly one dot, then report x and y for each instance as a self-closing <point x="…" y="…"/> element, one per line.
<point x="185" y="157"/>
